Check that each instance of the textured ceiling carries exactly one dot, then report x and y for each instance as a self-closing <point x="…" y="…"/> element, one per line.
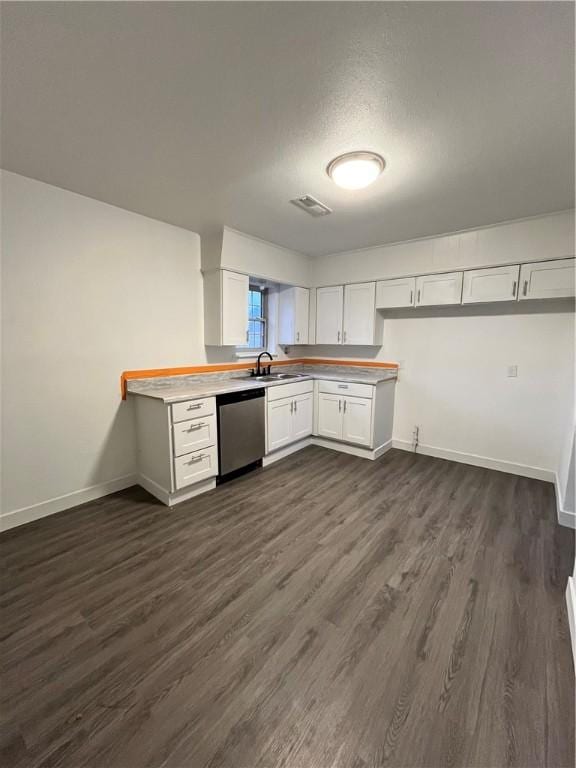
<point x="204" y="114"/>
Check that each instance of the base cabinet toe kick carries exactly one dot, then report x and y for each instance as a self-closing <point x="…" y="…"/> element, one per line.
<point x="177" y="444"/>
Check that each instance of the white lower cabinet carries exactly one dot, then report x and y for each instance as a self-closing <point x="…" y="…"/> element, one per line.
<point x="357" y="421"/>
<point x="279" y="419"/>
<point x="357" y="414"/>
<point x="177" y="447"/>
<point x="341" y="417"/>
<point x="289" y="414"/>
<point x="302" y="417"/>
<point x="329" y="416"/>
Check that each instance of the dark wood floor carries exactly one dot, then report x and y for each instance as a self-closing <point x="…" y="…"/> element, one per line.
<point x="326" y="611"/>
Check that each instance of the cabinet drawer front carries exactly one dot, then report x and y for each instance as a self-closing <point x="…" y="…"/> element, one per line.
<point x="346" y="388"/>
<point x="280" y="391"/>
<point x="193" y="409"/>
<point x="195" y="467"/>
<point x="193" y="435"/>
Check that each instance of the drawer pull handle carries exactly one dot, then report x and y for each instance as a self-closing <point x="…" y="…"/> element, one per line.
<point x="196" y="459"/>
<point x="514" y="288"/>
<point x="525" y="291"/>
<point x="343" y="386"/>
<point x="194" y="427"/>
<point x="194" y="407"/>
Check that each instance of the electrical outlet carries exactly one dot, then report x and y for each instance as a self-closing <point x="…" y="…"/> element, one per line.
<point x="512" y="371"/>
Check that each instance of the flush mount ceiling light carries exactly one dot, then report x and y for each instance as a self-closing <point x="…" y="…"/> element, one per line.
<point x="355" y="170"/>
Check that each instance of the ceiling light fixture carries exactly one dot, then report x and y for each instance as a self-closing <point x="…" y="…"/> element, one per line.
<point x="355" y="170"/>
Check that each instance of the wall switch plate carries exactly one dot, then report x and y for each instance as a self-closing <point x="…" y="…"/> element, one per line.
<point x="512" y="371"/>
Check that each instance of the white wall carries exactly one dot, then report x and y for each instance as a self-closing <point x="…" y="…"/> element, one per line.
<point x="453" y="380"/>
<point x="258" y="258"/>
<point x="89" y="290"/>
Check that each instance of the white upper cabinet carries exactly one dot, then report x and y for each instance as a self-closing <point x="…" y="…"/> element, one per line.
<point x="347" y="315"/>
<point x="494" y="284"/>
<point x="225" y="308"/>
<point x="293" y="315"/>
<point x="400" y="292"/>
<point x="329" y="314"/>
<point x="547" y="279"/>
<point x="359" y="314"/>
<point x="434" y="290"/>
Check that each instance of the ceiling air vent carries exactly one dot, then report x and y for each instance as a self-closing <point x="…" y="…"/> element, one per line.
<point x="311" y="205"/>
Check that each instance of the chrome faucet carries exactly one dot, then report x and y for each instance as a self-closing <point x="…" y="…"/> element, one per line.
<point x="261" y="371"/>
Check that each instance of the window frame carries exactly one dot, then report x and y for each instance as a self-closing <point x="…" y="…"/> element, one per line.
<point x="246" y="350"/>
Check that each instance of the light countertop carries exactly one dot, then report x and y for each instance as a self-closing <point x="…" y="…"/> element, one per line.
<point x="175" y="389"/>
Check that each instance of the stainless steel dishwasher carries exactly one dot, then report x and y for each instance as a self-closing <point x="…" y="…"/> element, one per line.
<point x="241" y="432"/>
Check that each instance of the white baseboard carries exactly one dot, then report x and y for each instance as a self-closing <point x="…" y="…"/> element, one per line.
<point x="571" y="607"/>
<point x="565" y="516"/>
<point x="170" y="499"/>
<point x="524" y="470"/>
<point x="68" y="500"/>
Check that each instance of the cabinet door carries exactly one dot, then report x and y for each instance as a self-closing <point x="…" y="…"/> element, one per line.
<point x="357" y="421"/>
<point x="293" y="316"/>
<point x="329" y="307"/>
<point x="433" y="290"/>
<point x="547" y="279"/>
<point x="234" y="308"/>
<point x="301" y="315"/>
<point x="396" y="293"/>
<point x="279" y="431"/>
<point x="330" y="416"/>
<point x="495" y="284"/>
<point x="302" y="417"/>
<point x="359" y="313"/>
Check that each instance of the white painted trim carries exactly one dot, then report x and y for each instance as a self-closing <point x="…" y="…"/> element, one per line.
<point x="571" y="607"/>
<point x="283" y="452"/>
<point x="382" y="449"/>
<point x="60" y="503"/>
<point x="565" y="516"/>
<point x="170" y="499"/>
<point x="524" y="470"/>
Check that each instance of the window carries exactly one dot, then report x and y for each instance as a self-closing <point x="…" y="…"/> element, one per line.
<point x="256" y="317"/>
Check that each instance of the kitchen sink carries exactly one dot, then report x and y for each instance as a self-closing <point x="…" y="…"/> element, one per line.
<point x="274" y="377"/>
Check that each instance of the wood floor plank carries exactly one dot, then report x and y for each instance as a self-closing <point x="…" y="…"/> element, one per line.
<point x="324" y="612"/>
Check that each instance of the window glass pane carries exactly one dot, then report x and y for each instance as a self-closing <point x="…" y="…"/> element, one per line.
<point x="256" y="325"/>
